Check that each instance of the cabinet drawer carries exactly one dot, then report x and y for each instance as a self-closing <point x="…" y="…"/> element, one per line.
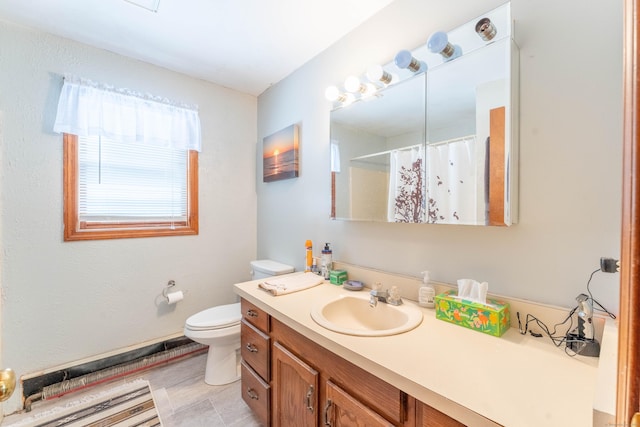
<point x="254" y="348"/>
<point x="254" y="315"/>
<point x="256" y="394"/>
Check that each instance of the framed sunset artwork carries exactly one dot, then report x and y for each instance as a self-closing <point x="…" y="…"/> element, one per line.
<point x="280" y="155"/>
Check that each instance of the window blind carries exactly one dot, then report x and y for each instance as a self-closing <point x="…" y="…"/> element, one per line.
<point x="121" y="182"/>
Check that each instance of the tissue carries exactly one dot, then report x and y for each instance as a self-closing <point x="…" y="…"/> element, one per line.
<point x="471" y="290"/>
<point x="471" y="308"/>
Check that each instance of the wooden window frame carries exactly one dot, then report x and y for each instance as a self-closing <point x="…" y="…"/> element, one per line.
<point x="75" y="230"/>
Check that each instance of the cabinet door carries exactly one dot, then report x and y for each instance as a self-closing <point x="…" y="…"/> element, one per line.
<point x="343" y="410"/>
<point x="431" y="417"/>
<point x="295" y="390"/>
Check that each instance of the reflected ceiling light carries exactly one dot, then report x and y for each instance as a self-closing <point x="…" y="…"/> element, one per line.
<point x="404" y="59"/>
<point x="439" y="43"/>
<point x="376" y="73"/>
<point x="333" y="94"/>
<point x="486" y="30"/>
<point x="151" y="5"/>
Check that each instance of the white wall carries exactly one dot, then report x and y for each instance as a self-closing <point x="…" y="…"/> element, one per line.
<point x="67" y="301"/>
<point x="570" y="156"/>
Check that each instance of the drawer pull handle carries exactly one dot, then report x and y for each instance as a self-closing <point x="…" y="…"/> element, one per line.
<point x="252" y="348"/>
<point x="308" y="397"/>
<point x="252" y="393"/>
<point x="327" y="420"/>
<point x="252" y="313"/>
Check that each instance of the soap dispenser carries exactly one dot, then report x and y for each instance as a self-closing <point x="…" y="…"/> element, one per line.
<point x="326" y="261"/>
<point x="426" y="293"/>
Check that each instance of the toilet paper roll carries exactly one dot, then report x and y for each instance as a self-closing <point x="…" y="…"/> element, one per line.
<point x="174" y="297"/>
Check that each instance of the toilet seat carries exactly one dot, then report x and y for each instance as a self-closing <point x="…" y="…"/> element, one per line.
<point x="219" y="317"/>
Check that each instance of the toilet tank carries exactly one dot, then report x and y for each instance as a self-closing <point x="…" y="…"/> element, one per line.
<point x="263" y="268"/>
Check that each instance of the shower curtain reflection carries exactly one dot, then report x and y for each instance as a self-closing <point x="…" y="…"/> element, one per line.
<point x="452" y="183"/>
<point x="406" y="185"/>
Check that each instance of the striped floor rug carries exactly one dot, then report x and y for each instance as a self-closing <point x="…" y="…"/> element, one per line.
<point x="127" y="405"/>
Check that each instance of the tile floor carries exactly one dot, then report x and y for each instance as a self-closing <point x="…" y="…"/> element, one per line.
<point x="181" y="395"/>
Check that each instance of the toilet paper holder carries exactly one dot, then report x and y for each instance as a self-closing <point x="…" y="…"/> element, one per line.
<point x="172" y="297"/>
<point x="165" y="291"/>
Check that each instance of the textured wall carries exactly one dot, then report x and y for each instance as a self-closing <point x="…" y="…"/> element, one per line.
<point x="67" y="301"/>
<point x="570" y="156"/>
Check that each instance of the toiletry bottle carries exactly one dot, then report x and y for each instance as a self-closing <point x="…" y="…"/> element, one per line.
<point x="426" y="293"/>
<point x="327" y="262"/>
<point x="309" y="255"/>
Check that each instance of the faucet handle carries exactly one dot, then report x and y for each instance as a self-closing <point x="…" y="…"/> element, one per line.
<point x="394" y="296"/>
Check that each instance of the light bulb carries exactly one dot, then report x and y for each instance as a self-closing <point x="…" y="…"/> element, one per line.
<point x="439" y="43"/>
<point x="353" y="84"/>
<point x="404" y="59"/>
<point x="332" y="93"/>
<point x="376" y="73"/>
<point x="486" y="30"/>
<point x="346" y="98"/>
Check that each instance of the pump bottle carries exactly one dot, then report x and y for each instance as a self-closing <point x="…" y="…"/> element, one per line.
<point x="426" y="293"/>
<point x="327" y="261"/>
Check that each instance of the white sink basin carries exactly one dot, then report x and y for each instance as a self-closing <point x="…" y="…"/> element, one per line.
<point x="352" y="315"/>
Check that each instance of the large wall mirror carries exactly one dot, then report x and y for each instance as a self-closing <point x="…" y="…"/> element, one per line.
<point x="436" y="146"/>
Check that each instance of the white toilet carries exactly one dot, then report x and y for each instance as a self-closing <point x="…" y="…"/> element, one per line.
<point x="219" y="328"/>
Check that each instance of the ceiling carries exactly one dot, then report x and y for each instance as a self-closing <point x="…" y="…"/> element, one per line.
<point x="246" y="45"/>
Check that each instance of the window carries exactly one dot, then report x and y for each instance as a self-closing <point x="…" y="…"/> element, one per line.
<point x="121" y="190"/>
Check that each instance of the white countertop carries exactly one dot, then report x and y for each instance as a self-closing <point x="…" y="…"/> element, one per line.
<point x="514" y="380"/>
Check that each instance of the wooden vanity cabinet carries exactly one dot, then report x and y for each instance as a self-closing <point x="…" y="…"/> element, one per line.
<point x="356" y="395"/>
<point x="305" y="385"/>
<point x="255" y="349"/>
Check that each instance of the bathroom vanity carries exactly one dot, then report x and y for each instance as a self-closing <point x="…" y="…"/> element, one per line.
<point x="312" y="386"/>
<point x="295" y="372"/>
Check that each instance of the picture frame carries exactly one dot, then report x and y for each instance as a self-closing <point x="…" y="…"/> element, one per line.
<point x="280" y="154"/>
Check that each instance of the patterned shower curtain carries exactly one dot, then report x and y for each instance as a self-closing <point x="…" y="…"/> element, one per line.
<point x="406" y="185"/>
<point x="452" y="182"/>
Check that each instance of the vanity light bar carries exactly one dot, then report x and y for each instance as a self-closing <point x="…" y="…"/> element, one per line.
<point x="409" y="62"/>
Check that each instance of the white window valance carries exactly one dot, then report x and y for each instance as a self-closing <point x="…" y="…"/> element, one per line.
<point x="86" y="108"/>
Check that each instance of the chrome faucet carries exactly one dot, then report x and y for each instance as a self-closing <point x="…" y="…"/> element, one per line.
<point x="388" y="297"/>
<point x="377" y="295"/>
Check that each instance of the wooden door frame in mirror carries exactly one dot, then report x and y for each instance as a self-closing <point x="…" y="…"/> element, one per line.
<point x="628" y="398"/>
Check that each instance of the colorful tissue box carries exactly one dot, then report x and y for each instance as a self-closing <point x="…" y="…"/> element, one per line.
<point x="492" y="318"/>
<point x="337" y="277"/>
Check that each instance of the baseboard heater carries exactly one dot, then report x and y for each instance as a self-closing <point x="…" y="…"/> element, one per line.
<point x="80" y="377"/>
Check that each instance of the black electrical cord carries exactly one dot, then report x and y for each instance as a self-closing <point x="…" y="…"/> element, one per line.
<point x="558" y="340"/>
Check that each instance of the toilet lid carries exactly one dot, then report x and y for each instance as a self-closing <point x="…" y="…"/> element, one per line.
<point x="221" y="316"/>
